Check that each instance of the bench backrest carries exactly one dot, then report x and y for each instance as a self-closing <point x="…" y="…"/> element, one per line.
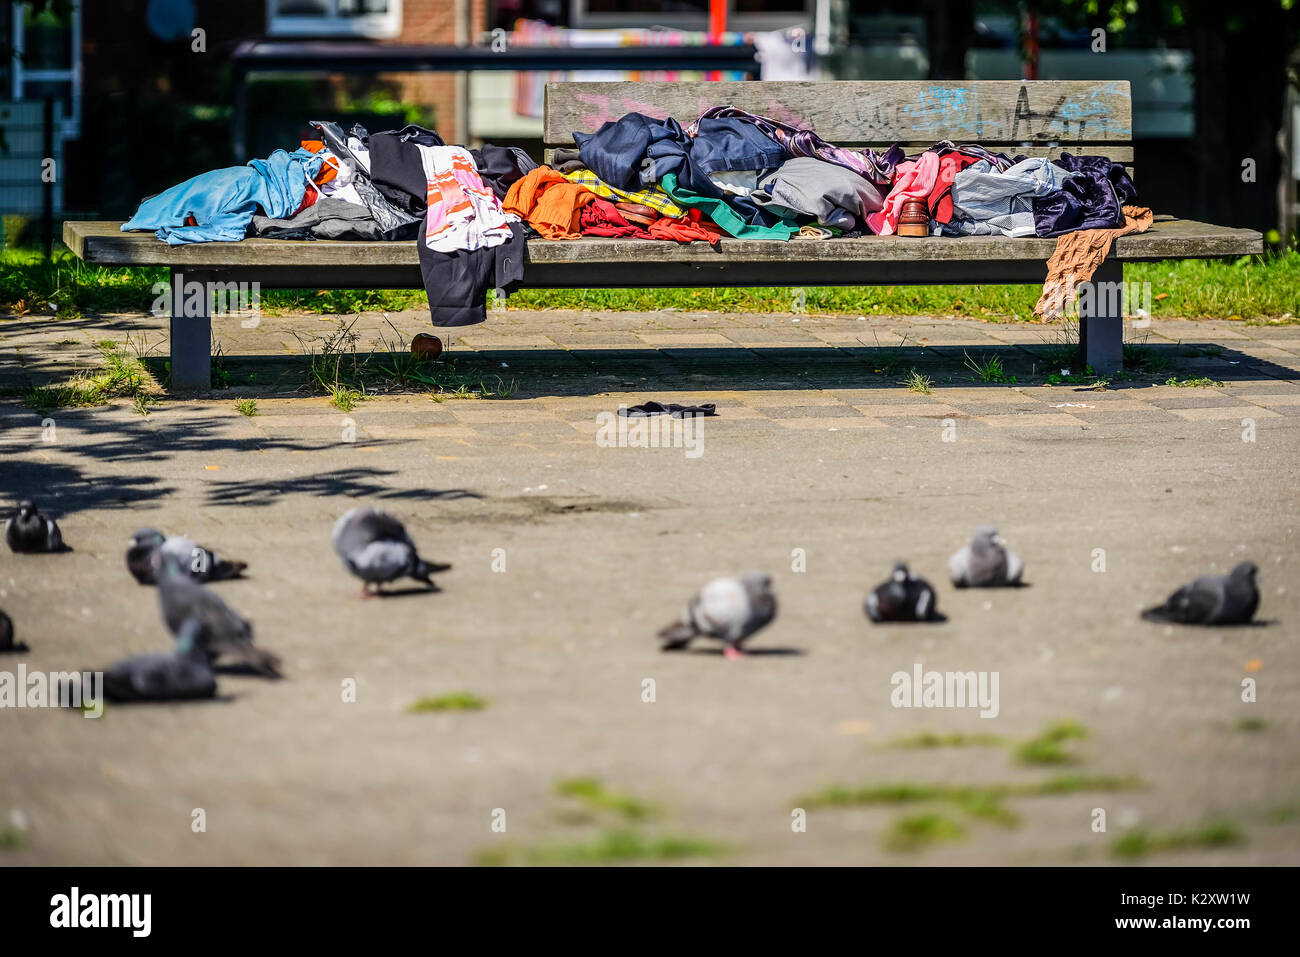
<point x="1034" y="117"/>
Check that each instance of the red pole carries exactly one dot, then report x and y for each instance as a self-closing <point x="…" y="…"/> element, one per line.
<point x="717" y="19"/>
<point x="1029" y="28"/>
<point x="717" y="27"/>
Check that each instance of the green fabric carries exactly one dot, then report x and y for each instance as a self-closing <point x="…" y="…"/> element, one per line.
<point x="727" y="218"/>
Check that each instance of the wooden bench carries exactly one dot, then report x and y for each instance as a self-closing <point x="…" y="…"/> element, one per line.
<point x="1031" y="118"/>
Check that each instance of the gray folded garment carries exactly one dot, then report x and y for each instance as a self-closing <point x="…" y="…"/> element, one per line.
<point x="566" y="160"/>
<point x="324" y="219"/>
<point x="833" y="195"/>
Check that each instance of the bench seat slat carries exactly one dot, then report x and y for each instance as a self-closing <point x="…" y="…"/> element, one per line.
<point x="102" y="243"/>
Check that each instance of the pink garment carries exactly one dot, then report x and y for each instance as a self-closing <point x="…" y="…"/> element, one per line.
<point x="463" y="214"/>
<point x="912" y="180"/>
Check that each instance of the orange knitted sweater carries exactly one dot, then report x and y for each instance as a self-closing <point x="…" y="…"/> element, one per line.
<point x="1077" y="257"/>
<point x="549" y="203"/>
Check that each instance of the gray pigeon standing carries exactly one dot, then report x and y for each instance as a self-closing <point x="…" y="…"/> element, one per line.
<point x="179" y="675"/>
<point x="27" y="530"/>
<point x="1212" y="600"/>
<point x="191" y="608"/>
<point x="375" y="547"/>
<point x="985" y="562"/>
<point x="7" y="644"/>
<point x="904" y="597"/>
<point x="728" y="609"/>
<point x="202" y="564"/>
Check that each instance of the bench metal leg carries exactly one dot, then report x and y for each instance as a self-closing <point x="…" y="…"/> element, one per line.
<point x="191" y="331"/>
<point x="1101" y="320"/>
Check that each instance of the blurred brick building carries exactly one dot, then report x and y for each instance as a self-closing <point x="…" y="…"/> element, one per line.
<point x="150" y="100"/>
<point x="146" y="94"/>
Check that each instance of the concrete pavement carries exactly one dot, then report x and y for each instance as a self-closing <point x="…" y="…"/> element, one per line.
<point x="820" y="468"/>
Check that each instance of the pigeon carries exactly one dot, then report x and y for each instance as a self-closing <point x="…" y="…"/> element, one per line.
<point x="1212" y="600"/>
<point x="904" y="597"/>
<point x="985" y="562"/>
<point x="728" y="609"/>
<point x="27" y="530"/>
<point x="189" y="607"/>
<point x="202" y="564"/>
<point x="179" y="675"/>
<point x="7" y="644"/>
<point x="375" y="547"/>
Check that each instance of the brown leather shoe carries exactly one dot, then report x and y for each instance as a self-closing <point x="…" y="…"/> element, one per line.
<point x="914" y="218"/>
<point x="636" y="213"/>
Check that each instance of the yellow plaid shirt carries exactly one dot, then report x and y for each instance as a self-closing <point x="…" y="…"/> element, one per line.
<point x="651" y="196"/>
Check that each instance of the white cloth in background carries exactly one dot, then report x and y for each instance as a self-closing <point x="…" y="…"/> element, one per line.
<point x="778" y="57"/>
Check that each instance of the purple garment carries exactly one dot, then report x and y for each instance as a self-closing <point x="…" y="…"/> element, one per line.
<point x="999" y="161"/>
<point x="1093" y="200"/>
<point x="865" y="162"/>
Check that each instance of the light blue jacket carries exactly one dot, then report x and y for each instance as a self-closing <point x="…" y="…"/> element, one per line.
<point x="223" y="201"/>
<point x="986" y="202"/>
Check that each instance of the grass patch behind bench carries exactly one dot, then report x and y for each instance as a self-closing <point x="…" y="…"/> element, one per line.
<point x="1263" y="287"/>
<point x="1250" y="287"/>
<point x="70" y="287"/>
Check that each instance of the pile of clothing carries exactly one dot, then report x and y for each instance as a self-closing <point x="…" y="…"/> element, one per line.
<point x="728" y="173"/>
<point x="402" y="184"/>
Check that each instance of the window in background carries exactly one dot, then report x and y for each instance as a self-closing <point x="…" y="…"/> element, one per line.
<point x="650" y="7"/>
<point x="502" y="14"/>
<point x="359" y="18"/>
<point x="47" y="61"/>
<point x="742" y="15"/>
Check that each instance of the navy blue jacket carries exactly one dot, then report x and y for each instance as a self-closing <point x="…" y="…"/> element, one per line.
<point x="636" y="150"/>
<point x="1094" y="200"/>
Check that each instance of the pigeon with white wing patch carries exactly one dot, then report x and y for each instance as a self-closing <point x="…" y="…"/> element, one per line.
<point x="904" y="597"/>
<point x="201" y="564"/>
<point x="27" y="530"/>
<point x="374" y="546"/>
<point x="726" y="609"/>
<point x="985" y="562"/>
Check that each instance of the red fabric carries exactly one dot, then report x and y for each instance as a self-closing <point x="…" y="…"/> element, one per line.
<point x="939" y="202"/>
<point x="309" y="197"/>
<point x="601" y="218"/>
<point x="690" y="227"/>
